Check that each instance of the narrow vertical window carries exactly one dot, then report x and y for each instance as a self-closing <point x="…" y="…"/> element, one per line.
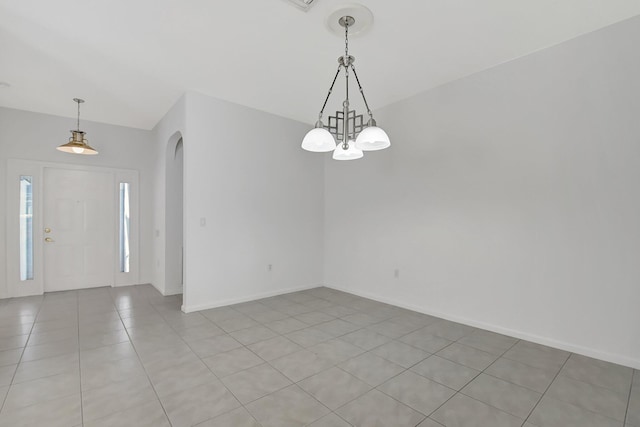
<point x="124" y="227"/>
<point x="26" y="227"/>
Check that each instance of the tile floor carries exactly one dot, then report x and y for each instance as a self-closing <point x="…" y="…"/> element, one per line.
<point x="323" y="358"/>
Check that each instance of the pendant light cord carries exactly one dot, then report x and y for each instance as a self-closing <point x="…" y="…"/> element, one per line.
<point x="78" y="115"/>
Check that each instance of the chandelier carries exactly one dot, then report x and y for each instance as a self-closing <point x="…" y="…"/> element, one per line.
<point x="77" y="144"/>
<point x="353" y="136"/>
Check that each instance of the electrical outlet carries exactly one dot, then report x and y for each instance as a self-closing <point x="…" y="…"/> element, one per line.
<point x="396" y="273"/>
<point x="203" y="222"/>
<point x="270" y="267"/>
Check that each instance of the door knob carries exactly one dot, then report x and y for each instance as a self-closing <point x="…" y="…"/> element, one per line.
<point x="49" y="240"/>
<point x="47" y="230"/>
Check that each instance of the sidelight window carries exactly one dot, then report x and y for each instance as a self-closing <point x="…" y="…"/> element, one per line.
<point x="124" y="227"/>
<point x="26" y="227"/>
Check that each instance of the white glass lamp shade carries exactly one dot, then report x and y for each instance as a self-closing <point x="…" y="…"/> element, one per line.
<point x="372" y="138"/>
<point x="351" y="153"/>
<point x="319" y="140"/>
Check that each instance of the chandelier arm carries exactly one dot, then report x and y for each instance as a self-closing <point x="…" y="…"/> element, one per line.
<point x="346" y="75"/>
<point x="329" y="93"/>
<point x="345" y="105"/>
<point x="364" y="98"/>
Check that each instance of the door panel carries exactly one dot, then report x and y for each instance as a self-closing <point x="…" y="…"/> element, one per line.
<point x="79" y="208"/>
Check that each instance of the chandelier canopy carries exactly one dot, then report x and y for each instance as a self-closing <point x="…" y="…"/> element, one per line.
<point x="77" y="143"/>
<point x="346" y="126"/>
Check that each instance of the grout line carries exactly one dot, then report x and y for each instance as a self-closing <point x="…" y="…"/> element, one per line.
<point x="480" y="373"/>
<point x="626" y="412"/>
<point x="457" y="392"/>
<point x="547" y="389"/>
<point x="140" y="361"/>
<point x="331" y="411"/>
<point x="35" y="318"/>
<point x="79" y="361"/>
<point x="207" y="366"/>
<point x="361" y="327"/>
<point x="292" y="383"/>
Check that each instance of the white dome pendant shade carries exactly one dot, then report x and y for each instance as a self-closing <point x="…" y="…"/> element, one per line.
<point x="351" y="153"/>
<point x="319" y="140"/>
<point x="372" y="138"/>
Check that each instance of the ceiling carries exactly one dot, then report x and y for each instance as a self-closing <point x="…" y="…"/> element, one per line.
<point x="131" y="60"/>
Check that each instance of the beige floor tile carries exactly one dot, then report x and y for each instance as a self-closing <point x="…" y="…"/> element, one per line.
<point x="254" y="383"/>
<point x="59" y="412"/>
<point x="289" y="407"/>
<point x="376" y="409"/>
<point x="150" y="414"/>
<point x="195" y="405"/>
<point x="41" y="390"/>
<point x="334" y="387"/>
<point x="237" y="418"/>
<point x="115" y="397"/>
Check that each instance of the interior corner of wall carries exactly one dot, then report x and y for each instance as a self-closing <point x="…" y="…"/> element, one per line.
<point x="157" y="287"/>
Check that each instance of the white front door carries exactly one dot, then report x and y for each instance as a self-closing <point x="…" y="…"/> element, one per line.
<point x="79" y="229"/>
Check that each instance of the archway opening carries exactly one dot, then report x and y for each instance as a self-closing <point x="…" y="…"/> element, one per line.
<point x="174" y="218"/>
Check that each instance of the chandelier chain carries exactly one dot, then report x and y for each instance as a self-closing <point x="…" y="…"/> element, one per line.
<point x="329" y="93"/>
<point x="364" y="98"/>
<point x="78" y="115"/>
<point x="346" y="41"/>
<point x="346" y="61"/>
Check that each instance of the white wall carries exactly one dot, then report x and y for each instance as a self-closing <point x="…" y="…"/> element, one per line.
<point x="34" y="136"/>
<point x="509" y="200"/>
<point x="261" y="197"/>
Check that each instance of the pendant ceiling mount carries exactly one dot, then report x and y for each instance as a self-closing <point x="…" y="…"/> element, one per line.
<point x="346" y="21"/>
<point x="361" y="20"/>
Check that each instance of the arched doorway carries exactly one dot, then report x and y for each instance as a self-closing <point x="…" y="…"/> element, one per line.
<point x="174" y="244"/>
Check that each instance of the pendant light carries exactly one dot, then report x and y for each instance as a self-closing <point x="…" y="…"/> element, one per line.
<point x="346" y="126"/>
<point x="348" y="152"/>
<point x="77" y="144"/>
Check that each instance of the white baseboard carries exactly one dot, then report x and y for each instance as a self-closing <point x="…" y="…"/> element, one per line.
<point x="169" y="292"/>
<point x="122" y="285"/>
<point x="222" y="303"/>
<point x="157" y="288"/>
<point x="585" y="351"/>
<point x="166" y="292"/>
